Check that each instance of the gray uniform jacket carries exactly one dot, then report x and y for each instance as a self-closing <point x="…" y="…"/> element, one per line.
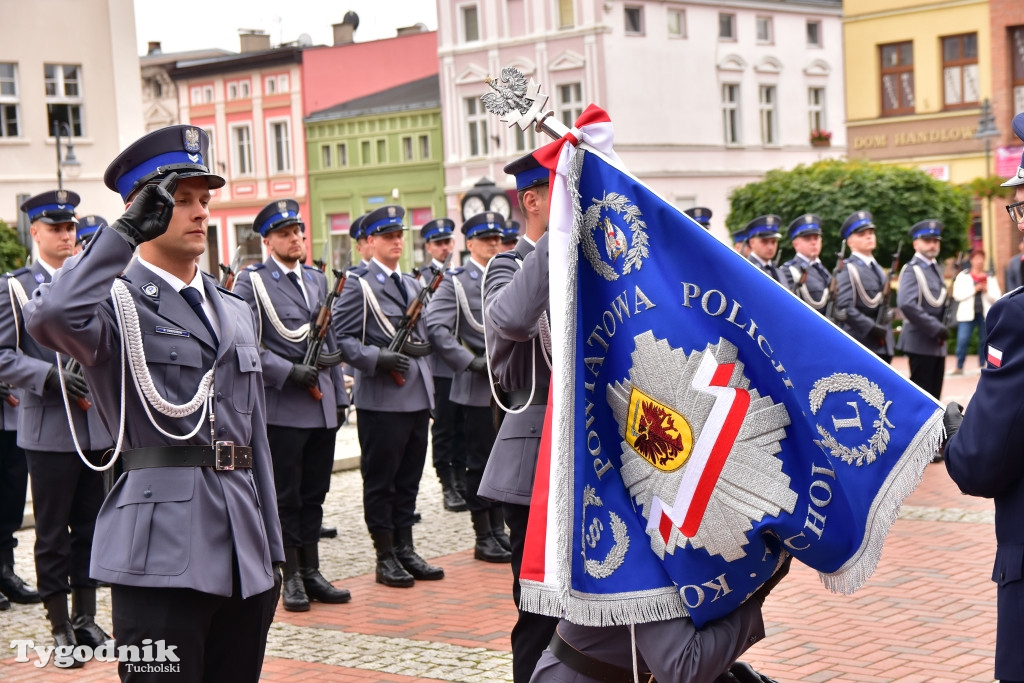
<point x="454" y="337"/>
<point x="816" y="283"/>
<point x="42" y="418"/>
<point x="672" y="650"/>
<point x="514" y="300"/>
<point x="770" y="269"/>
<point x="923" y="322"/>
<point x="288" y="404"/>
<point x="860" y="317"/>
<point x="361" y="337"/>
<point x="169" y="527"/>
<point x="438" y="368"/>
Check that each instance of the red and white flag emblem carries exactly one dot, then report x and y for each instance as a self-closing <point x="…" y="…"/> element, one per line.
<point x="994" y="357"/>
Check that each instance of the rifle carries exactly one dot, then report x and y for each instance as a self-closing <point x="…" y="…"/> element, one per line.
<point x="5" y="391"/>
<point x="73" y="366"/>
<point x="833" y="287"/>
<point x="227" y="272"/>
<point x="412" y="316"/>
<point x="322" y="324"/>
<point x="321" y="263"/>
<point x="883" y="316"/>
<point x="949" y="312"/>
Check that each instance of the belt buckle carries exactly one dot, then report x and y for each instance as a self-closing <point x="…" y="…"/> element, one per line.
<point x="219" y="448"/>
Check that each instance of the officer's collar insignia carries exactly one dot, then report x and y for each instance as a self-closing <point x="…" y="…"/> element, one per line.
<point x="149" y="289"/>
<point x="40" y="277"/>
<point x="62" y="197"/>
<point x="276" y="275"/>
<point x="473" y="274"/>
<point x="191" y="138"/>
<point x="380" y="278"/>
<point x="282" y="206"/>
<point x="391" y="212"/>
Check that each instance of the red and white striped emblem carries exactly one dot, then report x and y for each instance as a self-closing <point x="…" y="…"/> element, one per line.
<point x="994" y="358"/>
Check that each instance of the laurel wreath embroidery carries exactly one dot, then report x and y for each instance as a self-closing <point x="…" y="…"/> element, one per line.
<point x="638" y="244"/>
<point x="873" y="396"/>
<point x="602" y="569"/>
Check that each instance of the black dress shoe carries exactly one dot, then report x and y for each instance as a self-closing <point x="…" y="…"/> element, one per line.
<point x="14" y="587"/>
<point x="319" y="588"/>
<point x="5" y="604"/>
<point x="293" y="593"/>
<point x="64" y="636"/>
<point x="489" y="549"/>
<point x="328" y="531"/>
<point x="453" y="502"/>
<point x="88" y="632"/>
<point x="416" y="565"/>
<point x="391" y="573"/>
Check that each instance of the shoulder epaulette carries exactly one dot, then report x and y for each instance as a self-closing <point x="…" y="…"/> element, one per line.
<point x="229" y="293"/>
<point x="124" y="277"/>
<point x="507" y="255"/>
<point x="256" y="266"/>
<point x="1016" y="291"/>
<point x="309" y="267"/>
<point x="20" y="271"/>
<point x="458" y="270"/>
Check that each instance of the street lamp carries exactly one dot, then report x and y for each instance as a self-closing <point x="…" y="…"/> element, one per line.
<point x="69" y="161"/>
<point x="986" y="131"/>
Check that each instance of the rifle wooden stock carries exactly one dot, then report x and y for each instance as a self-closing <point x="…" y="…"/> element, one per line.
<point x="12" y="400"/>
<point x="318" y="333"/>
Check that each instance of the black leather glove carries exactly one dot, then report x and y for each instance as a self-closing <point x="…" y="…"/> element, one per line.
<point x="303" y="375"/>
<point x="762" y="593"/>
<point x="150" y="213"/>
<point x="341" y="415"/>
<point x="942" y="335"/>
<point x="879" y="332"/>
<point x="741" y="672"/>
<point x="478" y="365"/>
<point x="951" y="420"/>
<point x="391" y="360"/>
<point x="75" y="384"/>
<point x="5" y="391"/>
<point x="278" y="579"/>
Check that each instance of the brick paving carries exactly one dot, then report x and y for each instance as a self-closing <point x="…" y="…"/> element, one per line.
<point x="926" y="615"/>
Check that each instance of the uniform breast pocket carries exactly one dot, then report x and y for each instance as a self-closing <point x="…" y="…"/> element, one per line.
<point x="168" y="357"/>
<point x="248" y="383"/>
<point x="149" y="529"/>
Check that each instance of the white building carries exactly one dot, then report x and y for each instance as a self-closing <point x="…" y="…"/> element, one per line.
<point x="76" y="62"/>
<point x="705" y="96"/>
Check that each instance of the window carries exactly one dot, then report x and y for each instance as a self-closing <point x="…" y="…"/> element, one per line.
<point x="470" y="24"/>
<point x="241" y="138"/>
<point x="64" y="96"/>
<point x="960" y="70"/>
<point x="816" y="109"/>
<point x="424" y="147"/>
<point x="196" y="95"/>
<point x="570" y="103"/>
<point x="766" y="105"/>
<point x="250" y="244"/>
<point x="244" y="88"/>
<point x="476" y="127"/>
<point x="364" y="150"/>
<point x="270" y="85"/>
<point x="342" y="154"/>
<point x="325" y="156"/>
<point x="282" y="83"/>
<point x="207" y="94"/>
<point x="634" y="21"/>
<point x="407" y="148"/>
<point x="566" y="14"/>
<point x="232" y="91"/>
<point x="813" y="33"/>
<point x="526" y="140"/>
<point x="764" y="29"/>
<point x="897" y="78"/>
<point x="731" y="112"/>
<point x="9" y="100"/>
<point x="210" y="163"/>
<point x="382" y="151"/>
<point x="280" y="146"/>
<point x="1017" y="52"/>
<point x="677" y="23"/>
<point x="726" y="26"/>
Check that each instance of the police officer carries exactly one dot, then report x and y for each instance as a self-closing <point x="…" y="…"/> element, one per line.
<point x="740" y="244"/>
<point x="305" y="401"/>
<point x="509" y="236"/>
<point x="446" y="436"/>
<point x="66" y="494"/>
<point x="985" y="454"/>
<point x="700" y="214"/>
<point x="861" y="287"/>
<point x="922" y="298"/>
<point x="516" y="303"/>
<point x="763" y="236"/>
<point x="87" y="227"/>
<point x="456" y="327"/>
<point x="13" y="484"/>
<point x="188" y="534"/>
<point x="804" y="273"/>
<point x="394" y="392"/>
<point x="356" y="232"/>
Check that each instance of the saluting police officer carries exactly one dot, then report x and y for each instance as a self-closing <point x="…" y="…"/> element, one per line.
<point x="804" y="273"/>
<point x="66" y="495"/>
<point x="516" y="323"/>
<point x="922" y="298"/>
<point x="446" y="436"/>
<point x="763" y="235"/>
<point x="188" y="535"/>
<point x="455" y="324"/>
<point x="301" y="429"/>
<point x="700" y="214"/>
<point x="87" y="227"/>
<point x="861" y="287"/>
<point x="394" y="393"/>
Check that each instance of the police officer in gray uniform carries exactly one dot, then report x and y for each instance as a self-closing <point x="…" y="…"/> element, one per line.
<point x="356" y="232"/>
<point x="301" y="428"/>
<point x="394" y="393"/>
<point x="87" y="227"/>
<point x="861" y="287"/>
<point x="804" y="274"/>
<point x="922" y="298"/>
<point x="189" y="534"/>
<point x="456" y="326"/>
<point x="515" y="294"/>
<point x="66" y="495"/>
<point x="701" y="215"/>
<point x="763" y="235"/>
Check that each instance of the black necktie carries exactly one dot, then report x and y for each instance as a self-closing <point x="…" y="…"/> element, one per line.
<point x="821" y="271"/>
<point x="401" y="287"/>
<point x="195" y="300"/>
<point x="877" y="269"/>
<point x="295" y="281"/>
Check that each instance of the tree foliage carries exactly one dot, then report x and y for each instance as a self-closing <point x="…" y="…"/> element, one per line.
<point x="12" y="254"/>
<point x="832" y="189"/>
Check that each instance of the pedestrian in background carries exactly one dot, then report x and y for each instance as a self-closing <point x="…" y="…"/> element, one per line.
<point x="975" y="292"/>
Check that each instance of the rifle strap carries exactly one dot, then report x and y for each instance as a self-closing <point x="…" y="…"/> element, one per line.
<point x="923" y="292"/>
<point x="463" y="308"/>
<point x="18" y="298"/>
<point x="264" y="304"/>
<point x="371" y="305"/>
<point x="858" y="288"/>
<point x="805" y="293"/>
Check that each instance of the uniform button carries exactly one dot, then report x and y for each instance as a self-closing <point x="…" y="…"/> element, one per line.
<point x="222" y="430"/>
<point x="254" y="362"/>
<point x="174" y="355"/>
<point x="220" y="396"/>
<point x="533" y="430"/>
<point x="147" y="494"/>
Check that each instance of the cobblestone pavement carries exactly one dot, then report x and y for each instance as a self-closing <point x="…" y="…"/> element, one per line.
<point x="926" y="615"/>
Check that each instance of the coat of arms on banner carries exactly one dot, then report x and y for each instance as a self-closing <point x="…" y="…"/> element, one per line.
<point x="699" y="447"/>
<point x="617" y="254"/>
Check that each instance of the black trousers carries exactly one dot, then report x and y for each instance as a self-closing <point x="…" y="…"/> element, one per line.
<point x="532" y="632"/>
<point x="446" y="438"/>
<point x="66" y="496"/>
<point x="303" y="460"/>
<point x="927" y="372"/>
<point x="394" y="448"/>
<point x="13" y="483"/>
<point x="215" y="638"/>
<point x="479" y="432"/>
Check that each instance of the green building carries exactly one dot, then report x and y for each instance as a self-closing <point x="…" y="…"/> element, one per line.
<point x="380" y="149"/>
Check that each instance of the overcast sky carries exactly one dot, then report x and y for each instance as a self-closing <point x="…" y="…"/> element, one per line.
<point x="193" y="25"/>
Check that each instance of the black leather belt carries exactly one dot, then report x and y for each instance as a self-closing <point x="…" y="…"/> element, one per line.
<point x="223" y="455"/>
<point x="584" y="664"/>
<point x="520" y="397"/>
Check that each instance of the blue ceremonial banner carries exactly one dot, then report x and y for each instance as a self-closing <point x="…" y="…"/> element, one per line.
<point x="706" y="421"/>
